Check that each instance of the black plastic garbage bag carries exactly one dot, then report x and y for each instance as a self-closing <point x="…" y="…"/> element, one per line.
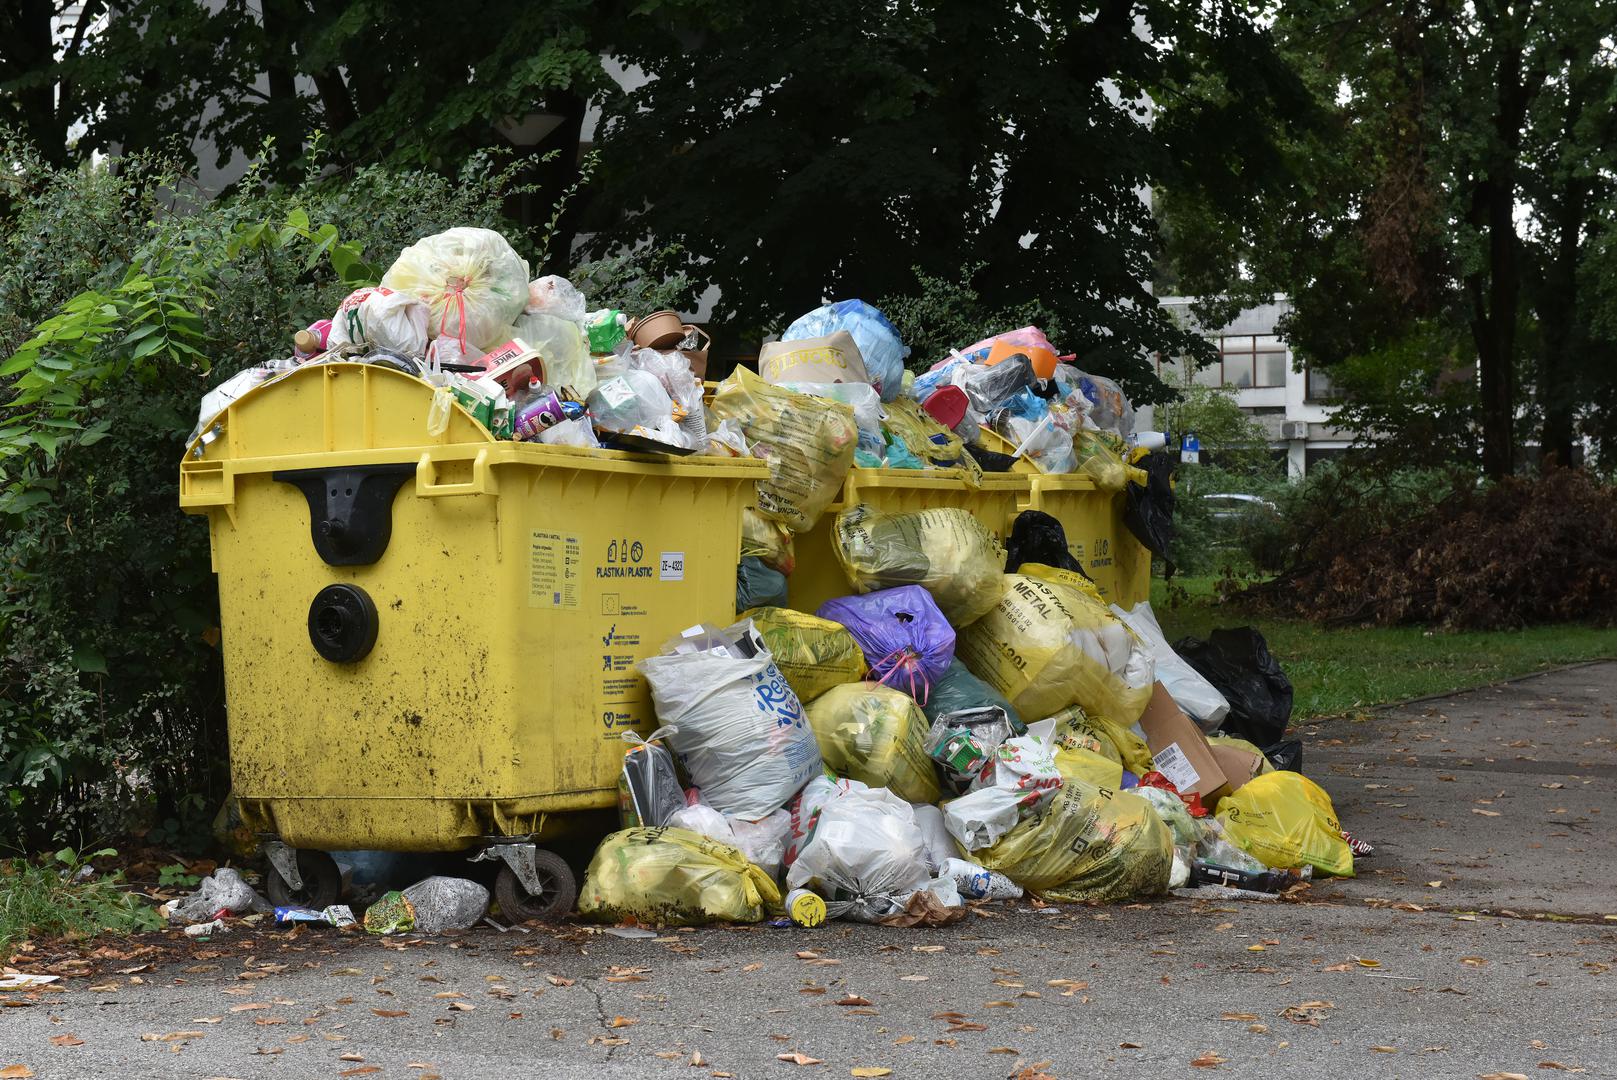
<point x="1238" y="663"/>
<point x="1037" y="537"/>
<point x="1149" y="514"/>
<point x="991" y="460"/>
<point x="1286" y="756"/>
<point x="758" y="585"/>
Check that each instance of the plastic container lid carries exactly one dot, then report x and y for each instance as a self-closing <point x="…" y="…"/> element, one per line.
<point x="947" y="405"/>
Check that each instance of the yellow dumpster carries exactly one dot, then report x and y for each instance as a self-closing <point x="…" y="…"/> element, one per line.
<point x="429" y="640"/>
<point x="1096" y="535"/>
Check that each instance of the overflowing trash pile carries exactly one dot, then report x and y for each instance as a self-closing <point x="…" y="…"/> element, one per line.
<point x="971" y="721"/>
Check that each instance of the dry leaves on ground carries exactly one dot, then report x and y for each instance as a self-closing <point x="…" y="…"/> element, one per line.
<point x="1208" y="1060"/>
<point x="797" y="1058"/>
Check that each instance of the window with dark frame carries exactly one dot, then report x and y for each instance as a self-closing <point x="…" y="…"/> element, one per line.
<point x="1246" y="362"/>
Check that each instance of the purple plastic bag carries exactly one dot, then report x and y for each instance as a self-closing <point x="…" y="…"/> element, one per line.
<point x="902" y="633"/>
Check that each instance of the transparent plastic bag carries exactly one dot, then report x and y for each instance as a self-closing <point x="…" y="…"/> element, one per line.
<point x="768" y="541"/>
<point x="446" y="903"/>
<point x="684" y="389"/>
<point x="864" y="855"/>
<point x="630" y="399"/>
<point x="564" y="354"/>
<point x="554" y="295"/>
<point x="474" y="282"/>
<point x="945" y="550"/>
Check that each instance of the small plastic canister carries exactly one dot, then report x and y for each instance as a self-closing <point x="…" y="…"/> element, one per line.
<point x="805" y="908"/>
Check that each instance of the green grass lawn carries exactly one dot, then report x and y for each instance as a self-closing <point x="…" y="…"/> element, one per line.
<point x="1338" y="671"/>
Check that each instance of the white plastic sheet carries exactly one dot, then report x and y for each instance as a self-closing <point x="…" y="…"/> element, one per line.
<point x="865" y="854"/>
<point x="1190" y="691"/>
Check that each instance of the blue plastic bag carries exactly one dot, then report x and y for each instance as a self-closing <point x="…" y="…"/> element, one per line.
<point x="875" y="334"/>
<point x="903" y="635"/>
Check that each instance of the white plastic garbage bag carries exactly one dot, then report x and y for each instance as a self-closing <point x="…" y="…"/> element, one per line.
<point x="940" y="846"/>
<point x="447" y="903"/>
<point x="742" y="737"/>
<point x="223" y="890"/>
<point x="1020" y="778"/>
<point x="1190" y="691"/>
<point x="865" y="855"/>
<point x="392" y="321"/>
<point x="475" y="284"/>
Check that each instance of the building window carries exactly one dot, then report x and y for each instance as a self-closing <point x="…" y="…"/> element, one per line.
<point x="1320" y="388"/>
<point x="1246" y="362"/>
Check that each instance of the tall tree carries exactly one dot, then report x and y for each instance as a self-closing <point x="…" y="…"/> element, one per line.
<point x="800" y="151"/>
<point x="1454" y="206"/>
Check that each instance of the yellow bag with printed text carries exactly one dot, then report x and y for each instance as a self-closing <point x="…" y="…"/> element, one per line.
<point x="673" y="877"/>
<point x="876" y="735"/>
<point x="1079" y="755"/>
<point x="814" y="654"/>
<point x="915" y="427"/>
<point x="1047" y="645"/>
<point x="945" y="550"/>
<point x="1286" y="820"/>
<point x="768" y="541"/>
<point x="1114" y="742"/>
<point x="1088" y="844"/>
<point x="807" y="441"/>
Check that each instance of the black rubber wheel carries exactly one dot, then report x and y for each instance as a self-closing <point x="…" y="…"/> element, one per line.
<point x="555" y="899"/>
<point x="322" y="882"/>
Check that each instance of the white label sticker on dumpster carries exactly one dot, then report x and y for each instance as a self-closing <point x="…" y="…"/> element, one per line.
<point x="671" y="566"/>
<point x="1172" y="763"/>
<point x="553" y="570"/>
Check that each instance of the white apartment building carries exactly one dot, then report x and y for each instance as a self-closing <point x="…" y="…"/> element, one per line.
<point x="1271" y="385"/>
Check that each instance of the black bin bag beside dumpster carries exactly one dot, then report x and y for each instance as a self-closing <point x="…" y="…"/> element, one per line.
<point x="1238" y="663"/>
<point x="1149" y="513"/>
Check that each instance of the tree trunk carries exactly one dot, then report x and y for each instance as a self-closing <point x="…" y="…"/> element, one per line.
<point x="26" y="49"/>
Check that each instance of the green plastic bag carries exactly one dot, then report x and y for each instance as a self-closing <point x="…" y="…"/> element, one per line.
<point x="673" y="877"/>
<point x="960" y="689"/>
<point x="876" y="735"/>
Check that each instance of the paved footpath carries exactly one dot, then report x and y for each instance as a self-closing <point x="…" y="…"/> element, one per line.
<point x="1476" y="943"/>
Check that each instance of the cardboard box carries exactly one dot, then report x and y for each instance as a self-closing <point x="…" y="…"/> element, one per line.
<point x="1238" y="765"/>
<point x="1179" y="748"/>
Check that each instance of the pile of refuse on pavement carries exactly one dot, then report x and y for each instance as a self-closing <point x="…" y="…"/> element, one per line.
<point x="972" y="721"/>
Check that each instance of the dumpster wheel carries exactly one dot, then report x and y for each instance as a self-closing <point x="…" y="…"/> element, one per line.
<point x="322" y="882"/>
<point x="554" y="901"/>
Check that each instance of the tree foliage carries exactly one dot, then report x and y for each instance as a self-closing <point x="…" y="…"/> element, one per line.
<point x="1456" y="211"/>
<point x="802" y="151"/>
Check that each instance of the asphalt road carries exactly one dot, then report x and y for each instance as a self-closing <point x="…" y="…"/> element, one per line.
<point x="1476" y="942"/>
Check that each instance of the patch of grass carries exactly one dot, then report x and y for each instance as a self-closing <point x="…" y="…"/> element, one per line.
<point x="1339" y="670"/>
<point x="45" y="898"/>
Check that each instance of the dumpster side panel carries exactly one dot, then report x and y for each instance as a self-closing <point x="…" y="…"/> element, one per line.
<point x="1096" y="535"/>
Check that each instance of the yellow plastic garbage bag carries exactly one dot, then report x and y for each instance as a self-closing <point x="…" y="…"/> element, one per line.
<point x="673" y="877"/>
<point x="1088" y="844"/>
<point x="916" y="429"/>
<point x="808" y="442"/>
<point x="474" y="282"/>
<point x="1078" y="756"/>
<point x="1113" y="741"/>
<point x="1100" y="457"/>
<point x="1286" y="820"/>
<point x="945" y="550"/>
<point x="768" y="541"/>
<point x="814" y="654"/>
<point x="876" y="735"/>
<point x="1047" y="645"/>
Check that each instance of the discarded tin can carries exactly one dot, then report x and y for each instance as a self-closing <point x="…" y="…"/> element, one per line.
<point x="805" y="908"/>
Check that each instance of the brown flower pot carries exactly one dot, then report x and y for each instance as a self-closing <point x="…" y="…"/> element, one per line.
<point x="661" y="330"/>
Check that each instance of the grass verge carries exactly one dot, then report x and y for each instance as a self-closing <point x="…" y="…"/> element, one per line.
<point x="1337" y="671"/>
<point x="46" y="898"/>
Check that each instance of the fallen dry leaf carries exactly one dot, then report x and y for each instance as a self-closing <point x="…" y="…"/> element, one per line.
<point x="557" y="980"/>
<point x="66" y="1040"/>
<point x="927" y="948"/>
<point x="1309" y="1012"/>
<point x="869" y="1071"/>
<point x="999" y="1004"/>
<point x="1336" y="967"/>
<point x="696" y="1059"/>
<point x="173" y="1036"/>
<point x="391" y="1014"/>
<point x="903" y="1039"/>
<point x="1384" y="1049"/>
<point x="797" y="1058"/>
<point x="207" y="1019"/>
<point x="1004" y="1050"/>
<point x="1501" y="1076"/>
<point x="1492" y="813"/>
<point x="1473" y="961"/>
<point x="16" y="1072"/>
<point x="248" y="1006"/>
<point x="753" y="967"/>
<point x="1558" y="1065"/>
<point x="350" y="1057"/>
<point x="854" y="999"/>
<point x="913" y="978"/>
<point x="361" y="1070"/>
<point x="1243" y="1017"/>
<point x="461" y="1006"/>
<point x="1209" y="1060"/>
<point x="1363" y="962"/>
<point x="1130" y="1046"/>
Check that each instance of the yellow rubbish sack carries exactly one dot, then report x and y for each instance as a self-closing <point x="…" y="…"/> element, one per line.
<point x="1088" y="844"/>
<point x="1078" y="756"/>
<point x="1047" y="645"/>
<point x="876" y="735"/>
<point x="1286" y="820"/>
<point x="945" y="550"/>
<point x="1100" y="457"/>
<point x="673" y="877"/>
<point x="1220" y="739"/>
<point x="768" y="541"/>
<point x="814" y="654"/>
<point x="807" y="441"/>
<point x="912" y="425"/>
<point x="1113" y="741"/>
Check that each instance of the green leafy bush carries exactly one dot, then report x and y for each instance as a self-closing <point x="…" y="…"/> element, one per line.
<point x="124" y="302"/>
<point x="61" y="894"/>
